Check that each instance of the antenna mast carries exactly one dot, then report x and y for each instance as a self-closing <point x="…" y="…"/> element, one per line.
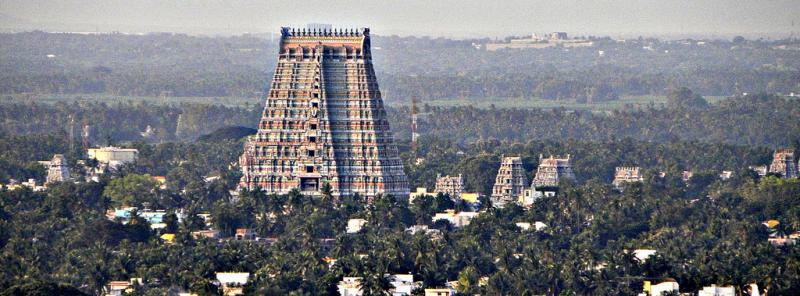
<point x="85" y="137"/>
<point x="71" y="132"/>
<point x="414" y="134"/>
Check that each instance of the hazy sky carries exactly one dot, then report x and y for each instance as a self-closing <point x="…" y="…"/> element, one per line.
<point x="414" y="17"/>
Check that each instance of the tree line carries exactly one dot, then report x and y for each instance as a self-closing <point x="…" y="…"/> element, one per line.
<point x="241" y="66"/>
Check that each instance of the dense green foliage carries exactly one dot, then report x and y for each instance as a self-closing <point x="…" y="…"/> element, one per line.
<point x="706" y="232"/>
<point x="240" y="66"/>
<point x="125" y="121"/>
<point x="43" y="289"/>
<point x="228" y="133"/>
<point x="763" y="120"/>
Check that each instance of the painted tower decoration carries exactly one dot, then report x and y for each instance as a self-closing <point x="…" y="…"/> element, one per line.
<point x="57" y="169"/>
<point x="452" y="186"/>
<point x="783" y="164"/>
<point x="623" y="175"/>
<point x="551" y="170"/>
<point x="324" y="121"/>
<point x="510" y="183"/>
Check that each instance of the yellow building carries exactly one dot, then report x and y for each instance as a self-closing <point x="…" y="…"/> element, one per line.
<point x="471" y="197"/>
<point x="421" y="191"/>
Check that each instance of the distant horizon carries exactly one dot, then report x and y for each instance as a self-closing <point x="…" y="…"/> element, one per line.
<point x="716" y="19"/>
<point x="276" y="33"/>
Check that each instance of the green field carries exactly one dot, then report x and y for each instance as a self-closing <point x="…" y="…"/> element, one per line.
<point x="54" y="98"/>
<point x="623" y="103"/>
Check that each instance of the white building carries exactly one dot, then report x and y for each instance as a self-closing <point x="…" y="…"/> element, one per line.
<point x="717" y="291"/>
<point x="457" y="219"/>
<point x="403" y="284"/>
<point x="667" y="286"/>
<point x="119" y="288"/>
<point x="233" y="282"/>
<point x="433" y="233"/>
<point x="440" y="292"/>
<point x="350" y="286"/>
<point x="355" y="225"/>
<point x="537" y="226"/>
<point x="643" y="254"/>
<point x="113" y="156"/>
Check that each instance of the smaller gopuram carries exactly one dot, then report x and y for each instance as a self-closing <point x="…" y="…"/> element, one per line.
<point x="783" y="163"/>
<point x="452" y="186"/>
<point x="551" y="170"/>
<point x="57" y="170"/>
<point x="510" y="183"/>
<point x="623" y="175"/>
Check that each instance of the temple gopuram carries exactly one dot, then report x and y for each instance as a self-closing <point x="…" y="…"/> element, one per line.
<point x="551" y="170"/>
<point x="783" y="164"/>
<point x="623" y="175"/>
<point x="324" y="121"/>
<point x="510" y="182"/>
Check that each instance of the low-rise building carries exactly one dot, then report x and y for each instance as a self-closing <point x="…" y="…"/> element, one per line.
<point x="686" y="176"/>
<point x="531" y="195"/>
<point x="440" y="292"/>
<point x="717" y="291"/>
<point x="210" y="233"/>
<point x="526" y="226"/>
<point x="536" y="42"/>
<point x="113" y="156"/>
<point x="760" y="170"/>
<point x="119" y="288"/>
<point x="725" y="175"/>
<point x="233" y="282"/>
<point x="665" y="287"/>
<point x="433" y="233"/>
<point x="624" y="175"/>
<point x="31" y="184"/>
<point x="155" y="218"/>
<point x="355" y="225"/>
<point x="161" y="181"/>
<point x="421" y="191"/>
<point x="350" y="286"/>
<point x="782" y="240"/>
<point x="459" y="219"/>
<point x="403" y="284"/>
<point x="245" y="234"/>
<point x="471" y="197"/>
<point x="168" y="238"/>
<point x="643" y="254"/>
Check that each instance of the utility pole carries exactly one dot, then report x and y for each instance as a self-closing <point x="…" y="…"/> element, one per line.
<point x="71" y="132"/>
<point x="85" y="136"/>
<point x="414" y="134"/>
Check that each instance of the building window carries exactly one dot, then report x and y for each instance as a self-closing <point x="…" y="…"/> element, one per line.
<point x="311" y="153"/>
<point x="309" y="169"/>
<point x="313" y="126"/>
<point x="312" y="139"/>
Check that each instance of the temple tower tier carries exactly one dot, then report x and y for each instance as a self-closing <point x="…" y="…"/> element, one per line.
<point x="510" y="182"/>
<point x="324" y="121"/>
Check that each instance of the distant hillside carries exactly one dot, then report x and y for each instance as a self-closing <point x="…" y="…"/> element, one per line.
<point x="227" y="133"/>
